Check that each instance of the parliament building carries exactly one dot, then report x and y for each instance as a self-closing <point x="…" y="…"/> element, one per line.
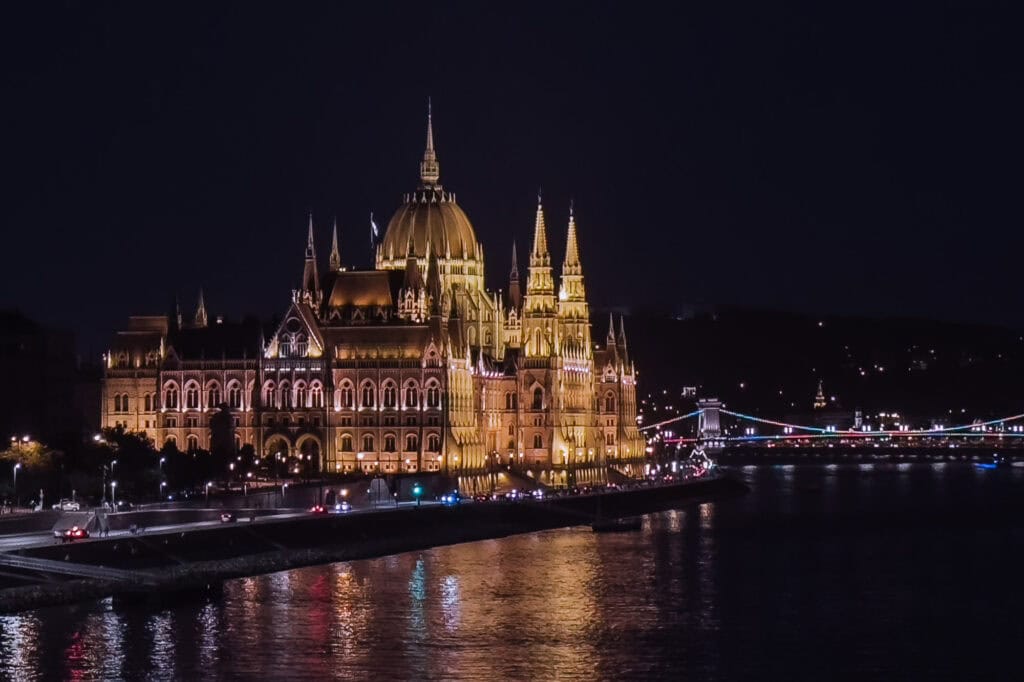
<point x="413" y="366"/>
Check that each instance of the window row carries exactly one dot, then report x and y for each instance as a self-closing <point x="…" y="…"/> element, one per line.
<point x="214" y="397"/>
<point x="412" y="443"/>
<point x="286" y="397"/>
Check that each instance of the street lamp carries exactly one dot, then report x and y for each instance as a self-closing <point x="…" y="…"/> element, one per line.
<point x="163" y="484"/>
<point x="208" y="484"/>
<point x="417" y="492"/>
<point x="113" y="494"/>
<point x="14" y="489"/>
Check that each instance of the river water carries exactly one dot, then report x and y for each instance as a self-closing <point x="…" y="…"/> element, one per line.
<point x="821" y="572"/>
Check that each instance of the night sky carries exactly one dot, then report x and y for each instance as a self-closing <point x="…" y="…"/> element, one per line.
<point x="864" y="159"/>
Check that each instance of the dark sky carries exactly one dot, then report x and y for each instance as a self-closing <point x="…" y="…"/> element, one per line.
<point x="863" y="159"/>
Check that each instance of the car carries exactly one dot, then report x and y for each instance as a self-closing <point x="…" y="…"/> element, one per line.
<point x="227" y="517"/>
<point x="68" y="505"/>
<point x="481" y="497"/>
<point x="450" y="499"/>
<point x="318" y="509"/>
<point x="76" y="533"/>
<point x="538" y="494"/>
<point x="343" y="506"/>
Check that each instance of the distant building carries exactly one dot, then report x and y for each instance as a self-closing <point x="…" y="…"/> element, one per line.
<point x="412" y="366"/>
<point x="820" y="402"/>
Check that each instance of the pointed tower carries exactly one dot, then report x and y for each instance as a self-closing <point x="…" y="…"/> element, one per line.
<point x="514" y="293"/>
<point x="820" y="402"/>
<point x="310" y="278"/>
<point x="621" y="343"/>
<point x="200" y="319"/>
<point x="430" y="171"/>
<point x="573" y="311"/>
<point x="539" y="307"/>
<point x="572" y="270"/>
<point x="610" y="339"/>
<point x="434" y="286"/>
<point x="335" y="262"/>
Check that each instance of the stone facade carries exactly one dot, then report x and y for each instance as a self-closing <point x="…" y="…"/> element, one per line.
<point x="412" y="366"/>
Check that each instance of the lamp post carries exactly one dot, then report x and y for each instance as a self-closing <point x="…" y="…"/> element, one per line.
<point x="163" y="484"/>
<point x="208" y="485"/>
<point x="14" y="488"/>
<point x="113" y="494"/>
<point x="417" y="492"/>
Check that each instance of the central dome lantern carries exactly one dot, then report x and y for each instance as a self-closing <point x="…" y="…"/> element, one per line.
<point x="430" y="222"/>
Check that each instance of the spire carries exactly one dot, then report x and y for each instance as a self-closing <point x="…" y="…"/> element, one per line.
<point x="540" y="237"/>
<point x="571" y="265"/>
<point x="610" y="341"/>
<point x="310" y="279"/>
<point x="430" y="171"/>
<point x="335" y="262"/>
<point x="514" y="292"/>
<point x="434" y="285"/>
<point x="622" y="332"/>
<point x="200" y="319"/>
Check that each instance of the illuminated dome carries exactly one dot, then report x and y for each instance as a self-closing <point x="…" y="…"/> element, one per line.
<point x="429" y="216"/>
<point x="429" y="222"/>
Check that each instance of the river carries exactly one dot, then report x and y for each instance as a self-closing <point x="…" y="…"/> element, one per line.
<point x="880" y="571"/>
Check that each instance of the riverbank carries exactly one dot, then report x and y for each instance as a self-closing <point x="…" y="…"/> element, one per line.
<point x="201" y="559"/>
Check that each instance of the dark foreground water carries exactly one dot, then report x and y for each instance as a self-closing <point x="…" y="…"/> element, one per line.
<point x="895" y="572"/>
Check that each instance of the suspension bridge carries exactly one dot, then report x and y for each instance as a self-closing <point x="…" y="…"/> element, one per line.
<point x="718" y="427"/>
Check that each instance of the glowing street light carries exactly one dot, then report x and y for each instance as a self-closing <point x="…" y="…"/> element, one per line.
<point x="113" y="494"/>
<point x="417" y="492"/>
<point x="14" y="489"/>
<point x="209" y="484"/>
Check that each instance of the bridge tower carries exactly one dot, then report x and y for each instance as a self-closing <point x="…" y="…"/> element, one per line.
<point x="708" y="425"/>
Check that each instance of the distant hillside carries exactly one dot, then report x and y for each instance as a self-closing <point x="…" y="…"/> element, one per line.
<point x="877" y="364"/>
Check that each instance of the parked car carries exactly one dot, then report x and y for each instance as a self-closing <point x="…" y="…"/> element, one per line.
<point x="68" y="505"/>
<point x="450" y="499"/>
<point x="343" y="506"/>
<point x="227" y="517"/>
<point x="318" y="509"/>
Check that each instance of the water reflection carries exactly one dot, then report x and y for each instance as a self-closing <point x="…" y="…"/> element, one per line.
<point x="718" y="590"/>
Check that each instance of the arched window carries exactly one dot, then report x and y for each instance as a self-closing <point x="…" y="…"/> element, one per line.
<point x="367" y="443"/>
<point x="269" y="395"/>
<point x="286" y="396"/>
<point x="347" y="396"/>
<point x="412" y="398"/>
<point x="346" y="443"/>
<point x="148" y="402"/>
<point x="300" y="396"/>
<point x="368" y="395"/>
<point x="301" y="345"/>
<point x="192" y="396"/>
<point x="192" y="443"/>
<point x="389" y="443"/>
<point x="171" y="397"/>
<point x="390" y="396"/>
<point x="434" y="443"/>
<point x="234" y="395"/>
<point x="433" y="396"/>
<point x="213" y="395"/>
<point x="609" y="439"/>
<point x="238" y="442"/>
<point x="609" y="403"/>
<point x="316" y="395"/>
<point x="117" y="402"/>
<point x="411" y="443"/>
<point x="536" y="342"/>
<point x="538" y="398"/>
<point x="538" y="440"/>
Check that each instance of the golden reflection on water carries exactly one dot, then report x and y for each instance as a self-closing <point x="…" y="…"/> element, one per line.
<point x="538" y="605"/>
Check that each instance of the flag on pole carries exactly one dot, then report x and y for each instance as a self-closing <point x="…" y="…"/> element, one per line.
<point x="374" y="232"/>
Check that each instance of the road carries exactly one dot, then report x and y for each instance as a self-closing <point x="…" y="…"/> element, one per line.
<point x="17" y="541"/>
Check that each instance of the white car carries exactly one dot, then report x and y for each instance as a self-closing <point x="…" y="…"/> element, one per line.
<point x="67" y="505"/>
